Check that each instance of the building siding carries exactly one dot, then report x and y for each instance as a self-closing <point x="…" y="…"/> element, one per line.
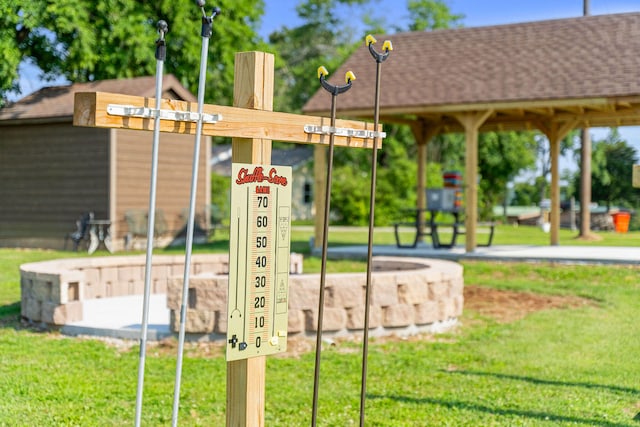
<point x="175" y="160"/>
<point x="50" y="174"/>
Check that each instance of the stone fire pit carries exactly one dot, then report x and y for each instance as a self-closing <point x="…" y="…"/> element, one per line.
<point x="409" y="294"/>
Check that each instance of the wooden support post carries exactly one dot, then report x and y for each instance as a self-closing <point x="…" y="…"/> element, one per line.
<point x="555" y="131"/>
<point x="253" y="88"/>
<point x="554" y="151"/>
<point x="246" y="392"/>
<point x="421" y="187"/>
<point x="585" y="185"/>
<point x="423" y="132"/>
<point x="471" y="123"/>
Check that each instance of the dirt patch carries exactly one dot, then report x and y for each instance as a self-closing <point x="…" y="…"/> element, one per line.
<point x="508" y="306"/>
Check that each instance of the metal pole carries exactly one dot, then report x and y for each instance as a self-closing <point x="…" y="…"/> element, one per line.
<point x="207" y="29"/>
<point x="334" y="90"/>
<point x="323" y="268"/>
<point x="161" y="51"/>
<point x="372" y="204"/>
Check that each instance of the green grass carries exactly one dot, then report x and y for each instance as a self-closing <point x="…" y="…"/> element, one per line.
<point x="504" y="235"/>
<point x="570" y="367"/>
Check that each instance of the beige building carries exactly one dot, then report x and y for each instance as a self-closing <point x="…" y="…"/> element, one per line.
<point x="52" y="172"/>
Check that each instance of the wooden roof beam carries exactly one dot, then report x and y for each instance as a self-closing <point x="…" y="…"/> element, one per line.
<point x="631" y="113"/>
<point x="541" y="111"/>
<point x="574" y="109"/>
<point x="608" y="107"/>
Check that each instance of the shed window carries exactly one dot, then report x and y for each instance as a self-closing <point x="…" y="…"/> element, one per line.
<point x="307" y="193"/>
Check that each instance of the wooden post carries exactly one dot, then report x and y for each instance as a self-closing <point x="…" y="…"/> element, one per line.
<point x="421" y="184"/>
<point x="253" y="88"/>
<point x="555" y="131"/>
<point x="423" y="133"/>
<point x="471" y="123"/>
<point x="585" y="169"/>
<point x="585" y="185"/>
<point x="554" y="151"/>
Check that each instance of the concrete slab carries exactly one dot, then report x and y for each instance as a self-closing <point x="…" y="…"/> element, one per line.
<point x="121" y="317"/>
<point x="529" y="253"/>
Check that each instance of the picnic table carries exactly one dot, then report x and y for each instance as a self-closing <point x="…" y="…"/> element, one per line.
<point x="433" y="229"/>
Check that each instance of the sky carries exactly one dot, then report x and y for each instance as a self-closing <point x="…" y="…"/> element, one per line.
<point x="476" y="13"/>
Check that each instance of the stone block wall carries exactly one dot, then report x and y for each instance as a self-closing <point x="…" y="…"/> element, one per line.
<point x="52" y="291"/>
<point x="408" y="294"/>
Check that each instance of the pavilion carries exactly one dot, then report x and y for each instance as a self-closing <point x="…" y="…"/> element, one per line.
<point x="551" y="76"/>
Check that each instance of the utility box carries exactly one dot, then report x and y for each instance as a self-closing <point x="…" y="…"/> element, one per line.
<point x="443" y="199"/>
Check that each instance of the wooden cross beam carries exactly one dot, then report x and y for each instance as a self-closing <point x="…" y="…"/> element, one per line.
<point x="252" y="127"/>
<point x="91" y="109"/>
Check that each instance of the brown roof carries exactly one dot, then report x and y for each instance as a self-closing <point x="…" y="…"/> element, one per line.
<point x="56" y="102"/>
<point x="497" y="66"/>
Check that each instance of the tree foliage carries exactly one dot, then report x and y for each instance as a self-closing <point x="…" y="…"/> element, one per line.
<point x="87" y="40"/>
<point x="431" y="15"/>
<point x="301" y="50"/>
<point x="527" y="193"/>
<point x="501" y="156"/>
<point x="395" y="184"/>
<point x="611" y="171"/>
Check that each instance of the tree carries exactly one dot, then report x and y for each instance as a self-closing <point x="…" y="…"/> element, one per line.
<point x="428" y="15"/>
<point x="395" y="185"/>
<point x="87" y="40"/>
<point x="501" y="156"/>
<point x="612" y="166"/>
<point x="527" y="193"/>
<point x="322" y="39"/>
<point x="543" y="148"/>
<point x="220" y="199"/>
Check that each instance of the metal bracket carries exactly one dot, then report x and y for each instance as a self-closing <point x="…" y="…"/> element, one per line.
<point x="355" y="133"/>
<point x="152" y="113"/>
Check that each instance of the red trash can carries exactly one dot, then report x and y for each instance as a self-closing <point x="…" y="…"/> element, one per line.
<point x="621" y="221"/>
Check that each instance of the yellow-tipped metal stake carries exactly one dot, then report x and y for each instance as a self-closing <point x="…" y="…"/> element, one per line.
<point x="206" y="32"/>
<point x="161" y="53"/>
<point x="380" y="58"/>
<point x="334" y="91"/>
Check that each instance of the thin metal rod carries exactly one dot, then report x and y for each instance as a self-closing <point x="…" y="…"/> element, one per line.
<point x="150" y="237"/>
<point x="323" y="268"/>
<point x="372" y="206"/>
<point x="190" y="230"/>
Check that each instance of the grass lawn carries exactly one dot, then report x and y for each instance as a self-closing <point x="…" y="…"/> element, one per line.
<point x="568" y="367"/>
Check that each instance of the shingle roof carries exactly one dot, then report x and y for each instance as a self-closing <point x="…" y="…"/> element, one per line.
<point x="586" y="57"/>
<point x="57" y="101"/>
